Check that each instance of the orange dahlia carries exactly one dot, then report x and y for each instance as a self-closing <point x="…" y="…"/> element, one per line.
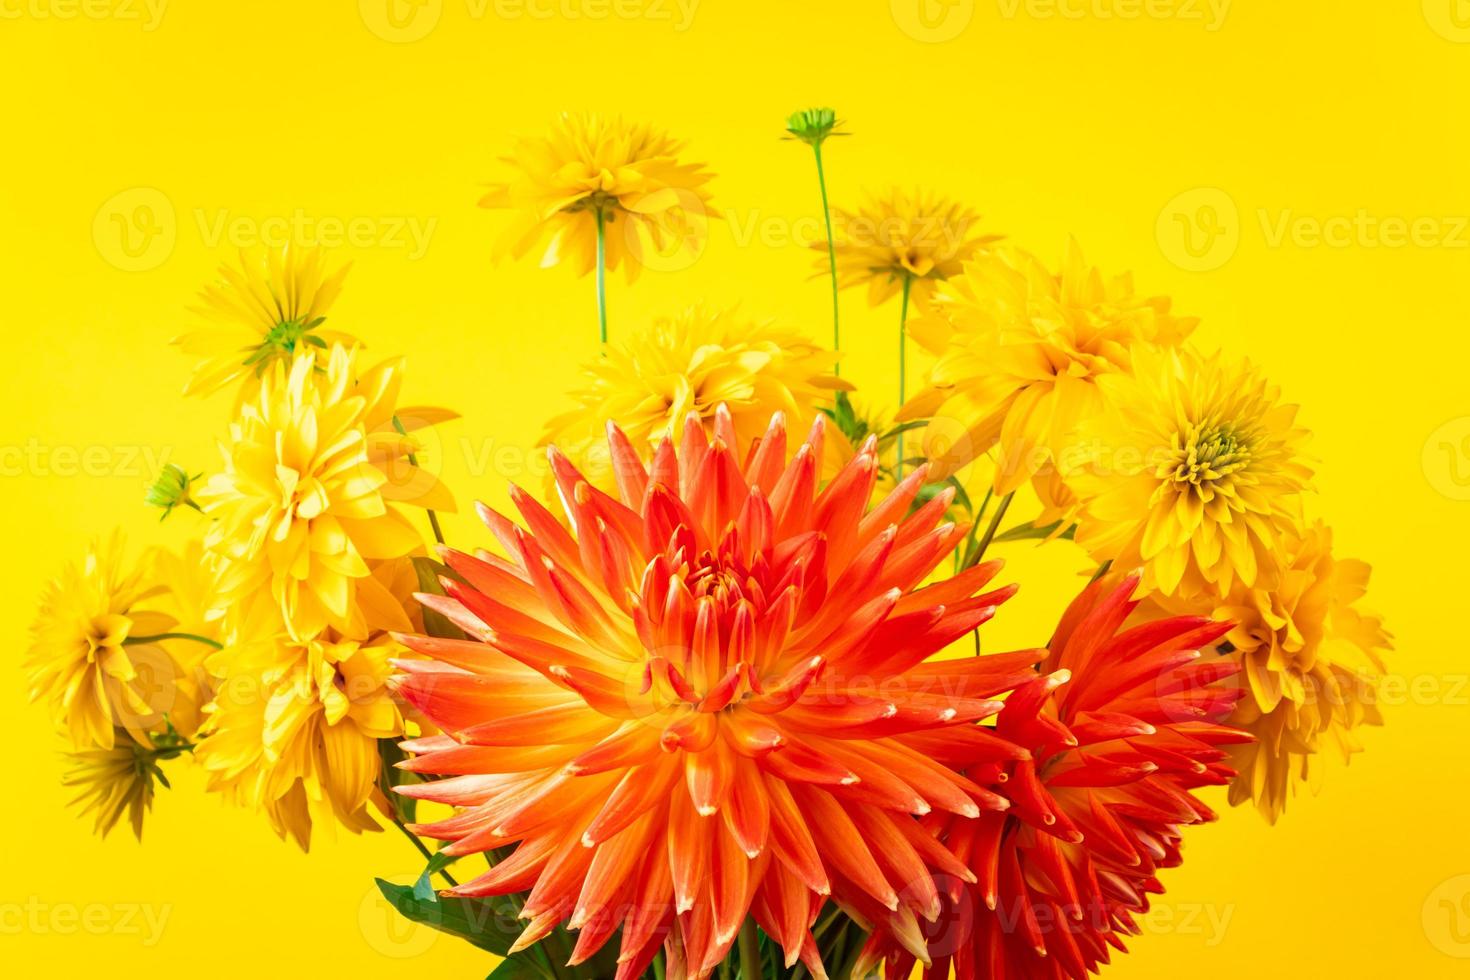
<point x="709" y="699"/>
<point x="1119" y="728"/>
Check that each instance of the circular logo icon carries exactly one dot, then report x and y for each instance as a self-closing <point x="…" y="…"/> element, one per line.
<point x="1199" y="230"/>
<point x="387" y="931"/>
<point x="673" y="231"/>
<point x="135" y="230"/>
<point x="1450" y="19"/>
<point x="1446" y="917"/>
<point x="401" y="21"/>
<point x="1446" y="458"/>
<point x="932" y="21"/>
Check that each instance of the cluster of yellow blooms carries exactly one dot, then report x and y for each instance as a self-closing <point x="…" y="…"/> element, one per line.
<point x="265" y="649"/>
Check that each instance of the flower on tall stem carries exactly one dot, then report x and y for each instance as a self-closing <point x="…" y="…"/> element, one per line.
<point x="814" y="127"/>
<point x="904" y="244"/>
<point x="1194" y="472"/>
<point x="1118" y="730"/>
<point x="313" y="472"/>
<point x="1018" y="354"/>
<point x="708" y="699"/>
<point x="267" y="310"/>
<point x="599" y="192"/>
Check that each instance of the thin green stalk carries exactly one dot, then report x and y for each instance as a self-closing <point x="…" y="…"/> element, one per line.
<point x="422" y="849"/>
<point x="1000" y="512"/>
<point x="750" y="951"/>
<point x="156" y="637"/>
<point x="831" y="253"/>
<point x="413" y="460"/>
<point x="903" y="353"/>
<point x="601" y="276"/>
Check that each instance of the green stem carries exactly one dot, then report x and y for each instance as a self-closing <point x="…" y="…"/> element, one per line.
<point x="156" y="637"/>
<point x="413" y="460"/>
<point x="831" y="253"/>
<point x="1000" y="512"/>
<point x="903" y="352"/>
<point x="750" y="952"/>
<point x="601" y="276"/>
<point x="423" y="849"/>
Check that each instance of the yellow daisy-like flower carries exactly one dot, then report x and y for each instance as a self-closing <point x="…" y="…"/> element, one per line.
<point x="920" y="237"/>
<point x="1193" y="472"/>
<point x="1019" y="352"/>
<point x="691" y="364"/>
<point x="113" y="782"/>
<point x="294" y="729"/>
<point x="313" y="470"/>
<point x="267" y="310"/>
<point x="628" y="173"/>
<point x="1310" y="663"/>
<point x="100" y="652"/>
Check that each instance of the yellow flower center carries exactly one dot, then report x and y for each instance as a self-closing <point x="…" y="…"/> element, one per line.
<point x="106" y="631"/>
<point x="1204" y="456"/>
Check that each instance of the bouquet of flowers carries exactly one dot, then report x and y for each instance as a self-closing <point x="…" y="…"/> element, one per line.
<point x="715" y="699"/>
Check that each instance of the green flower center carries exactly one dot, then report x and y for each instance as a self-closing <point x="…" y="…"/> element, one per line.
<point x="1208" y="453"/>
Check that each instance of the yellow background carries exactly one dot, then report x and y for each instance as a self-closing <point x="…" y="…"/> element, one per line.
<point x="1090" y="118"/>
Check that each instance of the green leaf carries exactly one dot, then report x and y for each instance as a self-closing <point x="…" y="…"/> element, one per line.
<point x="435" y="623"/>
<point x="423" y="889"/>
<point x="521" y="967"/>
<point x="1029" y="532"/>
<point x="489" y="923"/>
<point x="893" y="433"/>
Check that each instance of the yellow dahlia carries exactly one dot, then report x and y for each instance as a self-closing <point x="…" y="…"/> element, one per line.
<point x="1310" y="662"/>
<point x="267" y="310"/>
<point x="685" y="366"/>
<point x="920" y="237"/>
<point x="1193" y="472"/>
<point x="313" y="470"/>
<point x="1019" y="352"/>
<point x="709" y="699"/>
<point x="593" y="167"/>
<point x="100" y="652"/>
<point x="295" y="725"/>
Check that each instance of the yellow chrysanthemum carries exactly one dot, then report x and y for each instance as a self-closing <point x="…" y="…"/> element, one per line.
<point x="690" y="364"/>
<point x="1019" y="352"/>
<point x="1193" y="472"/>
<point x="590" y="164"/>
<point x="313" y="470"/>
<point x="921" y="237"/>
<point x="113" y="782"/>
<point x="265" y="311"/>
<point x="1310" y="664"/>
<point x="295" y="726"/>
<point x="98" y="654"/>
